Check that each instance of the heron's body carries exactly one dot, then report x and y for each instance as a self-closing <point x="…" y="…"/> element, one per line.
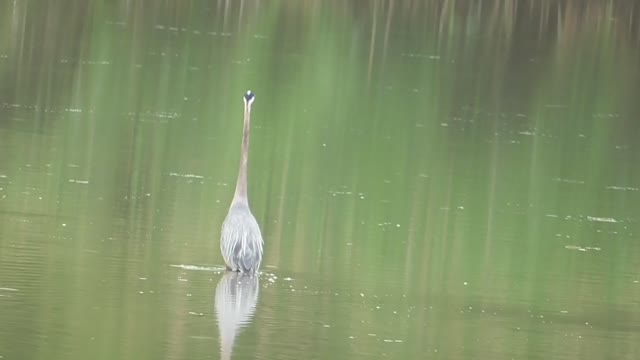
<point x="241" y="240"/>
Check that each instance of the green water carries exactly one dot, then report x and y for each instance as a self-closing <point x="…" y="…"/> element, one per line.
<point x="433" y="180"/>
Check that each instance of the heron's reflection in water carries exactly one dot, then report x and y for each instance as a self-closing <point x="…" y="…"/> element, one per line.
<point x="236" y="298"/>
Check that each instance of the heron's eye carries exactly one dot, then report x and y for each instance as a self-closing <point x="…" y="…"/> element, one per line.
<point x="249" y="95"/>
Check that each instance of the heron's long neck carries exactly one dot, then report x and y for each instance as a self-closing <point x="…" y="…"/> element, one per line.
<point x="241" y="184"/>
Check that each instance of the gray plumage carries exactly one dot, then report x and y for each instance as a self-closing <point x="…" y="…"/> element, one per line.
<point x="241" y="241"/>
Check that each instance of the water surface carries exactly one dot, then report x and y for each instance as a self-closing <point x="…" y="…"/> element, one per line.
<point x="433" y="180"/>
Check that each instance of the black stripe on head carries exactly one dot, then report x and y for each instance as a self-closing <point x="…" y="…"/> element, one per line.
<point x="249" y="95"/>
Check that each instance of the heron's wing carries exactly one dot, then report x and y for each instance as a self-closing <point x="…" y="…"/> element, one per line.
<point x="248" y="252"/>
<point x="242" y="239"/>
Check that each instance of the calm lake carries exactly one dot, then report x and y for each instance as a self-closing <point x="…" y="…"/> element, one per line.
<point x="433" y="179"/>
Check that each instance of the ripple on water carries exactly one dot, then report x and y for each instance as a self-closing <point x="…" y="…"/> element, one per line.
<point x="622" y="188"/>
<point x="198" y="267"/>
<point x="602" y="219"/>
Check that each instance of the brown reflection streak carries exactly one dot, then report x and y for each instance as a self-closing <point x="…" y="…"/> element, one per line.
<point x="387" y="30"/>
<point x="372" y="43"/>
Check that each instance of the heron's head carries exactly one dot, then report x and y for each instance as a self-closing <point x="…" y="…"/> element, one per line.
<point x="249" y="96"/>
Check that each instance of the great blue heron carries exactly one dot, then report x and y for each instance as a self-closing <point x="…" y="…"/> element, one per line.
<point x="241" y="240"/>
